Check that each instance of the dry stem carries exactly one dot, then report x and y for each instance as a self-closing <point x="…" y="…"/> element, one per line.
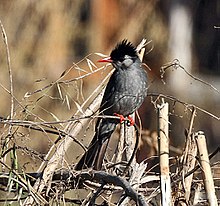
<point x="206" y="169"/>
<point x="163" y="142"/>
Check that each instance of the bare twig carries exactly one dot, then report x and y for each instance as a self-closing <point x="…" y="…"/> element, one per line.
<point x="60" y="81"/>
<point x="197" y="166"/>
<point x="188" y="137"/>
<point x="187" y="105"/>
<point x="176" y="65"/>
<point x="4" y="35"/>
<point x="97" y="193"/>
<point x="99" y="177"/>
<point x="132" y="155"/>
<point x="70" y="177"/>
<point x="5" y="38"/>
<point x="37" y="127"/>
<point x="188" y="158"/>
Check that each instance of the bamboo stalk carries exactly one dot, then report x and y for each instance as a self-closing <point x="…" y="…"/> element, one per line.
<point x="163" y="143"/>
<point x="206" y="169"/>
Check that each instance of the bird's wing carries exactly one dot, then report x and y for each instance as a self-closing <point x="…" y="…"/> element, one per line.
<point x="109" y="96"/>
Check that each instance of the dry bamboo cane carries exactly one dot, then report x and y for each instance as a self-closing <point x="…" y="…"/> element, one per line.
<point x="206" y="169"/>
<point x="163" y="143"/>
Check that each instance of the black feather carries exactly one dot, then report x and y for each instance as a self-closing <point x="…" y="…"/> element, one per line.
<point x="122" y="49"/>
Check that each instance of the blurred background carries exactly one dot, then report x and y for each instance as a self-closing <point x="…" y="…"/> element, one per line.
<point x="46" y="38"/>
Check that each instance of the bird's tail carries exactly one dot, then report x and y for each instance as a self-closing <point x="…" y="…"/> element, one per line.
<point x="94" y="156"/>
<point x="96" y="150"/>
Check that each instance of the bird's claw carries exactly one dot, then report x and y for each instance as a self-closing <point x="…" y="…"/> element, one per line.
<point x="129" y="120"/>
<point x="122" y="118"/>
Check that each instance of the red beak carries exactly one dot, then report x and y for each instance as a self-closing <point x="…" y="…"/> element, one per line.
<point x="107" y="59"/>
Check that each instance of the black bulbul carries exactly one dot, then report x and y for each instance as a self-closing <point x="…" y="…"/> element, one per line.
<point x="124" y="94"/>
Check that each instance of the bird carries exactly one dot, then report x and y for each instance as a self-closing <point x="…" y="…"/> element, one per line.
<point x="123" y="95"/>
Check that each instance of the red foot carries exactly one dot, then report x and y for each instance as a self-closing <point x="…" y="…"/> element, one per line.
<point x="122" y="119"/>
<point x="131" y="121"/>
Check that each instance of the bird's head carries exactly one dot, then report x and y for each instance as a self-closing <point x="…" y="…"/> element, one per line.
<point x="123" y="55"/>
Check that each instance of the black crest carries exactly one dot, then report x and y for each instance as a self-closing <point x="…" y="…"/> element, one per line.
<point x="122" y="49"/>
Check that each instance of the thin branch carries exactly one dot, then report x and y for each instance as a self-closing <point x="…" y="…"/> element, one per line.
<point x="56" y="131"/>
<point x="196" y="167"/>
<point x="176" y="65"/>
<point x="97" y="193"/>
<point x="188" y="105"/>
<point x="7" y="139"/>
<point x="4" y="120"/>
<point x="60" y="81"/>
